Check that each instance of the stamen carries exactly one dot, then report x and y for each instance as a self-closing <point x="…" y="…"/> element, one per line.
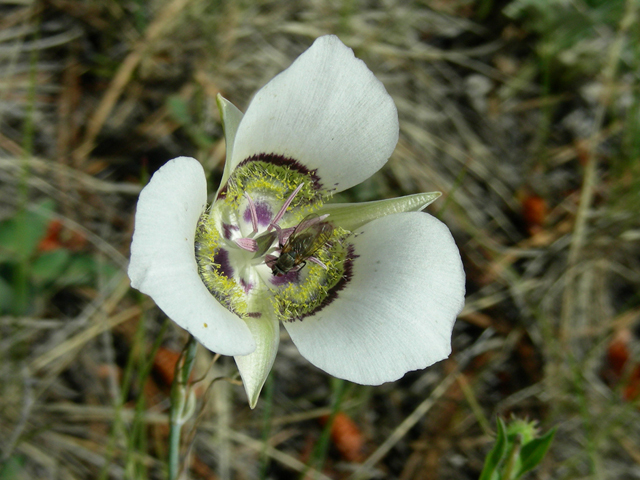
<point x="248" y="244"/>
<point x="317" y="262"/>
<point x="282" y="211"/>
<point x="254" y="214"/>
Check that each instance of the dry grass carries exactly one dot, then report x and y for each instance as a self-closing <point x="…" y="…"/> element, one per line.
<point x="532" y="138"/>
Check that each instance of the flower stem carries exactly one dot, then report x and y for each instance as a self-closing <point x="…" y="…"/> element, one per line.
<point x="174" y="450"/>
<point x="182" y="404"/>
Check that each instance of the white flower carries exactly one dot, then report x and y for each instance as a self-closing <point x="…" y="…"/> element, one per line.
<point x="366" y="291"/>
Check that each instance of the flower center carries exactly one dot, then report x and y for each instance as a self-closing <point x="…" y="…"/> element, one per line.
<point x="261" y="249"/>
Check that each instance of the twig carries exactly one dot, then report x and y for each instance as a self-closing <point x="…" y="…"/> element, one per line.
<point x="27" y="404"/>
<point x="47" y="168"/>
<point x="590" y="180"/>
<point x="88" y="334"/>
<point x="124" y="73"/>
<point x="421" y="410"/>
<point x="406" y="425"/>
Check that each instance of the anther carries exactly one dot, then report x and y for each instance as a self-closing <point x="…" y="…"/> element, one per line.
<point x="254" y="213"/>
<point x="317" y="262"/>
<point x="248" y="244"/>
<point x="282" y="211"/>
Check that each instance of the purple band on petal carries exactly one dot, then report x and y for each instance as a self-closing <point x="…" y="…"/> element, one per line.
<point x="247" y="287"/>
<point x="254" y="314"/>
<point x="222" y="258"/>
<point x="263" y="212"/>
<point x="228" y="229"/>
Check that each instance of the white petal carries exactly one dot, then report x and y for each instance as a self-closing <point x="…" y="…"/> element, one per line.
<point x="255" y="367"/>
<point x="328" y="112"/>
<point x="397" y="311"/>
<point x="230" y="116"/>
<point x="163" y="261"/>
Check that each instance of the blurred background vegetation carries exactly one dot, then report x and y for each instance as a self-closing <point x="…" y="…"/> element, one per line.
<point x="524" y="113"/>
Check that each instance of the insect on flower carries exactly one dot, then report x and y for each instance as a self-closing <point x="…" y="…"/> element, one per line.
<point x="306" y="239"/>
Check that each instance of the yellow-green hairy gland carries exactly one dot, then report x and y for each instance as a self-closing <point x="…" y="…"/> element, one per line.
<point x="296" y="300"/>
<point x="240" y="237"/>
<point x="276" y="182"/>
<point x="225" y="289"/>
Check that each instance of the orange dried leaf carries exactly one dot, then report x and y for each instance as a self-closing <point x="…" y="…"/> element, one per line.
<point x="347" y="437"/>
<point x="618" y="355"/>
<point x="57" y="236"/>
<point x="51" y="240"/>
<point x="164" y="364"/>
<point x="632" y="390"/>
<point x="534" y="211"/>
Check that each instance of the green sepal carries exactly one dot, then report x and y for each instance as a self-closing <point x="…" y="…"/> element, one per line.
<point x="230" y="117"/>
<point x="351" y="216"/>
<point x="255" y="367"/>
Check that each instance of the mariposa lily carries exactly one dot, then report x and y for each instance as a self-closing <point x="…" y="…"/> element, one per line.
<point x="366" y="291"/>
